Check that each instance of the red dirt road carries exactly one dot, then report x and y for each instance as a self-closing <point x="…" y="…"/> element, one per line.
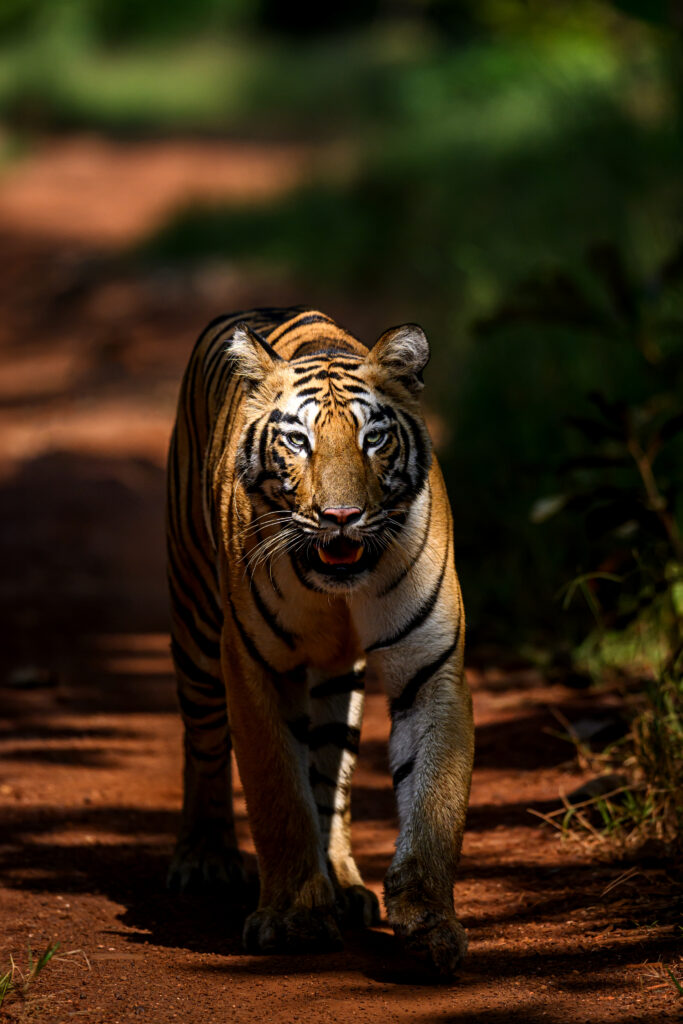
<point x="91" y="351"/>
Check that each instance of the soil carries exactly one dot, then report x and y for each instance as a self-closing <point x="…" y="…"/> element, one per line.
<point x="91" y="351"/>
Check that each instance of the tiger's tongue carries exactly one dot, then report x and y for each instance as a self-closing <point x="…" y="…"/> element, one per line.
<point x="341" y="552"/>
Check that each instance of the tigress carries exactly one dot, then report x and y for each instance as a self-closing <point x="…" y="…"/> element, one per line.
<point x="310" y="544"/>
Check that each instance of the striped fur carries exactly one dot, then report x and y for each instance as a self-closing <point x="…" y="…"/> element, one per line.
<point x="287" y="424"/>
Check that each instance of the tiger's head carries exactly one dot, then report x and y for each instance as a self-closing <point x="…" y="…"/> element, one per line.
<point x="334" y="450"/>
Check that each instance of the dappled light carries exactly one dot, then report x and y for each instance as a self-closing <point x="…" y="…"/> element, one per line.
<point x="508" y="176"/>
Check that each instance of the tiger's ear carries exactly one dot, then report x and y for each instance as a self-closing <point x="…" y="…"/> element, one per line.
<point x="254" y="358"/>
<point x="403" y="352"/>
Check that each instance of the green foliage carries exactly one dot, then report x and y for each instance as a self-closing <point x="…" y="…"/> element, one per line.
<point x="482" y="143"/>
<point x="657" y="744"/>
<point x="647" y="811"/>
<point x="10" y="986"/>
<point x="624" y="480"/>
<point x="115" y="22"/>
<point x="472" y="168"/>
<point x="676" y="983"/>
<point x="624" y="483"/>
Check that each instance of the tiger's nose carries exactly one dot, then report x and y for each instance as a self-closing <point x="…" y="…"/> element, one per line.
<point x="340" y="516"/>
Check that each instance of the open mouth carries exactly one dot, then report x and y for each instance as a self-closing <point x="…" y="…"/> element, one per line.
<point x="340" y="551"/>
<point x="338" y="558"/>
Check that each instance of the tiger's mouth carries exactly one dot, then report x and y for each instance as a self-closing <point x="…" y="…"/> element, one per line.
<point x="339" y="559"/>
<point x="340" y="551"/>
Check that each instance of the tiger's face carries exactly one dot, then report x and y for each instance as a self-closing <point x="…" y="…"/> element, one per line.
<point x="334" y="452"/>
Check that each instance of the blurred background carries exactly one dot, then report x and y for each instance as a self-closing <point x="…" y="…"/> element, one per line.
<point x="506" y="173"/>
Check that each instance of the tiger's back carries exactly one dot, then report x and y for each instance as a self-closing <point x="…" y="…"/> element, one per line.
<point x="309" y="532"/>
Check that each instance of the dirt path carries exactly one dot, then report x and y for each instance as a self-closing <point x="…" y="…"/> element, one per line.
<point x="90" y="357"/>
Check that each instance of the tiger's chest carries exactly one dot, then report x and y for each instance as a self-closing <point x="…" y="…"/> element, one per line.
<point x="289" y="627"/>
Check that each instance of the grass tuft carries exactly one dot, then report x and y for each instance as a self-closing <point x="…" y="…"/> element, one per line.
<point x="15" y="982"/>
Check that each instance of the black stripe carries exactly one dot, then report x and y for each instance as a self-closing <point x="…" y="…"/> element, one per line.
<point x="300" y="576"/>
<point x="199" y="679"/>
<point x="192" y="446"/>
<point x="248" y="443"/>
<point x="307" y="401"/>
<point x="402" y="772"/>
<point x="327" y="347"/>
<point x="423" y="457"/>
<point x="299" y="728"/>
<point x="312" y="318"/>
<point x="270" y="618"/>
<point x="325" y="810"/>
<point x="211" y="368"/>
<point x="404" y="436"/>
<point x="339" y="684"/>
<point x="404" y="572"/>
<point x="264" y="313"/>
<point x="422" y="613"/>
<point x="248" y="641"/>
<point x="279" y="314"/>
<point x="213" y="715"/>
<point x="263" y="445"/>
<point x="209" y="648"/>
<point x="218" y="753"/>
<point x="307" y="364"/>
<point x="219" y="341"/>
<point x="310" y="375"/>
<point x="263" y="343"/>
<point x="172" y="481"/>
<point x="287" y="417"/>
<point x="179" y="581"/>
<point x="300" y="320"/>
<point x="406" y="698"/>
<point x="316" y="778"/>
<point x="337" y="734"/>
<point x="222" y="319"/>
<point x="220" y="385"/>
<point x="237" y="397"/>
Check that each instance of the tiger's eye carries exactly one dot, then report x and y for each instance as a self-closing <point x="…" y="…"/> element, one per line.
<point x="297" y="440"/>
<point x="375" y="437"/>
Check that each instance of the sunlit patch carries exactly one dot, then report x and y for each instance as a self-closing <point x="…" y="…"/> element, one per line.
<point x="134" y="654"/>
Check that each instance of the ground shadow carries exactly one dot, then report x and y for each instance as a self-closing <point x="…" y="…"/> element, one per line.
<point x="83" y="592"/>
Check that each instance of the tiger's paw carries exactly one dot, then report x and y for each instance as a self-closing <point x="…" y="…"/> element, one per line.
<point x="298" y="930"/>
<point x="426" y="925"/>
<point x="357" y="906"/>
<point x="205" y="859"/>
<point x="440" y="941"/>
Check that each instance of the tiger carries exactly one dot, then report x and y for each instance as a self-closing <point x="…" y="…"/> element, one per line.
<point x="310" y="548"/>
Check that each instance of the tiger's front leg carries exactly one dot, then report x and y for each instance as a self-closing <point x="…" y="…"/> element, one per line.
<point x="269" y="727"/>
<point x="206" y="854"/>
<point x="431" y="752"/>
<point x="336" y="701"/>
